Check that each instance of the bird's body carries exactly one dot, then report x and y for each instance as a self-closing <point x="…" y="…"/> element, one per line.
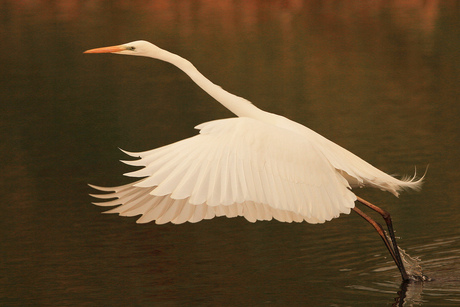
<point x="258" y="165"/>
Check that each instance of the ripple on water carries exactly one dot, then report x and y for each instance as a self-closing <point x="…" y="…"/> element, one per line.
<point x="439" y="260"/>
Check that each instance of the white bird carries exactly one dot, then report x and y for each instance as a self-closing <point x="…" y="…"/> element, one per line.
<point x="258" y="165"/>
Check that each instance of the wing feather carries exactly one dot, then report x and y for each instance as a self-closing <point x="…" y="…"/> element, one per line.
<point x="155" y="209"/>
<point x="185" y="214"/>
<point x="357" y="171"/>
<point x="234" y="167"/>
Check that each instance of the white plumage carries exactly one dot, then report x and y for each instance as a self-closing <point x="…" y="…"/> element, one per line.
<point x="258" y="165"/>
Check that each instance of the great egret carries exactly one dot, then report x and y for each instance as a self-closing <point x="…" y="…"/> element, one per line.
<point x="258" y="165"/>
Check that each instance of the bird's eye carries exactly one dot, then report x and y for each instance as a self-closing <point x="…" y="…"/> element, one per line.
<point x="131" y="48"/>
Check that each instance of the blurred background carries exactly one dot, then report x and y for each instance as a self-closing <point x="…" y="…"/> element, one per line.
<point x="379" y="78"/>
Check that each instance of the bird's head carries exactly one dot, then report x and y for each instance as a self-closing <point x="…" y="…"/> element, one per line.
<point x="139" y="48"/>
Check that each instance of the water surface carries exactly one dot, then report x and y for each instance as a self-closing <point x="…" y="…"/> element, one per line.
<point x="379" y="78"/>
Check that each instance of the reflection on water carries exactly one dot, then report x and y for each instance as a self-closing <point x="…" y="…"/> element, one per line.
<point x="442" y="264"/>
<point x="379" y="78"/>
<point x="443" y="275"/>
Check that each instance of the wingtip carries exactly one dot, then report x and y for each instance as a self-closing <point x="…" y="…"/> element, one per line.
<point x="131" y="162"/>
<point x="100" y="204"/>
<point x="129" y="153"/>
<point x="103" y="189"/>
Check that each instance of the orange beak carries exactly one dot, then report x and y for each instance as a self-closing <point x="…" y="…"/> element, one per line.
<point x="106" y="49"/>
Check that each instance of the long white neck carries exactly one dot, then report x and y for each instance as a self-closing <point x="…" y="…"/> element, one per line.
<point x="239" y="106"/>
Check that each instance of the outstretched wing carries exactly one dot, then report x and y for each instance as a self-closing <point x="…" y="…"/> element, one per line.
<point x="234" y="167"/>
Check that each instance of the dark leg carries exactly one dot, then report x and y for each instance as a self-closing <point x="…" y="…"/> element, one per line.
<point x="386" y="216"/>
<point x="381" y="233"/>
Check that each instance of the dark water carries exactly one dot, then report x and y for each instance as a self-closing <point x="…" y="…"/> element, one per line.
<point x="380" y="78"/>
